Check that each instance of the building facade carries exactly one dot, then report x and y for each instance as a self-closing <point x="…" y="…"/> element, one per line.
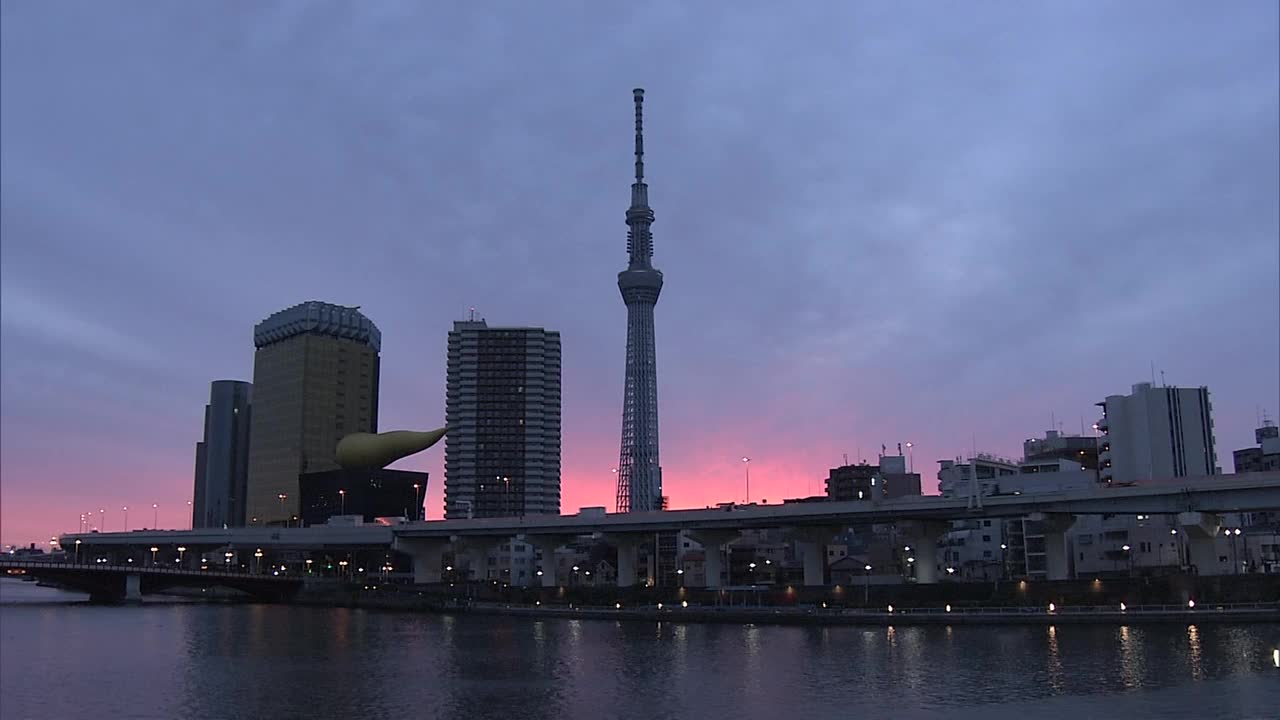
<point x="315" y="377"/>
<point x="222" y="457"/>
<point x="1264" y="457"/>
<point x="502" y="406"/>
<point x="1080" y="449"/>
<point x="1156" y="433"/>
<point x="369" y="494"/>
<point x="854" y="482"/>
<point x="639" y="485"/>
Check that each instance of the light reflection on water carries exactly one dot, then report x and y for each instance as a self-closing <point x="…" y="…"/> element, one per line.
<point x="241" y="662"/>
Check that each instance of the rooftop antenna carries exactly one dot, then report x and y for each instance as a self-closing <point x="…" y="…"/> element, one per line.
<point x="1053" y="421"/>
<point x="1162" y="382"/>
<point x="471" y="317"/>
<point x="846" y="458"/>
<point x="1153" y="372"/>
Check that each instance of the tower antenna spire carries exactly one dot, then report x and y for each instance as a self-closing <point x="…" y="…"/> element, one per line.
<point x="638" y="93"/>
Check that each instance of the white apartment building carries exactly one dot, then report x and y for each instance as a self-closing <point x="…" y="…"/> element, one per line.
<point x="1156" y="433"/>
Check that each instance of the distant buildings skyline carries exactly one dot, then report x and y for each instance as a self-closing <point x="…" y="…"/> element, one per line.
<point x="315" y="379"/>
<point x="502" y="407"/>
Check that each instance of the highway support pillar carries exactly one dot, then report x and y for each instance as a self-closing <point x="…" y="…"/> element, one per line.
<point x="547" y="545"/>
<point x="713" y="544"/>
<point x="812" y="544"/>
<point x="1057" y="559"/>
<point x="922" y="537"/>
<point x="628" y="546"/>
<point x="133" y="587"/>
<point x="1201" y="530"/>
<point x="426" y="554"/>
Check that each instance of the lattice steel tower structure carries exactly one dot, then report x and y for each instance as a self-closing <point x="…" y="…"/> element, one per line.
<point x="639" y="472"/>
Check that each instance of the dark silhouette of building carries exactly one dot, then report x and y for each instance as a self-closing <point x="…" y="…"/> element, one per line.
<point x="315" y="380"/>
<point x="222" y="457"/>
<point x="855" y="482"/>
<point x="1263" y="458"/>
<point x="502" y="405"/>
<point x="370" y="494"/>
<point x="639" y="468"/>
<point x="1079" y="449"/>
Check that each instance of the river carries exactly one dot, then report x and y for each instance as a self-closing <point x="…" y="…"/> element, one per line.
<point x="62" y="659"/>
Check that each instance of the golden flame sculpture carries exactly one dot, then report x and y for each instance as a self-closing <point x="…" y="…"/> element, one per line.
<point x="367" y="451"/>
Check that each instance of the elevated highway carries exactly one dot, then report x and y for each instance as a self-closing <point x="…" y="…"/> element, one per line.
<point x="1195" y="501"/>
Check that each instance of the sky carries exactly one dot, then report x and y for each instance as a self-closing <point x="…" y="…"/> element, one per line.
<point x="951" y="225"/>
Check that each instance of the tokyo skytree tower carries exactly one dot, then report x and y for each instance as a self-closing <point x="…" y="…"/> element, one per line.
<point x="639" y="472"/>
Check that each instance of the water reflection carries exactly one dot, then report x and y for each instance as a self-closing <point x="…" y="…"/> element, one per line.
<point x="1054" y="662"/>
<point x="243" y="662"/>
<point x="1131" y="658"/>
<point x="1193" y="652"/>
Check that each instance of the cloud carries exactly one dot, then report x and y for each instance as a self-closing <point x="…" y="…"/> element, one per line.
<point x="875" y="222"/>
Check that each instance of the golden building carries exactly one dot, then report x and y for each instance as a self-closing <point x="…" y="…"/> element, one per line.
<point x="315" y="377"/>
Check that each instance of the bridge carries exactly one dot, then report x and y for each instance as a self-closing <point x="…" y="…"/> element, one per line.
<point x="129" y="582"/>
<point x="1196" y="502"/>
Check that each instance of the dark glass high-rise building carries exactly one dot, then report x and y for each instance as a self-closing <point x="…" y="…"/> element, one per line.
<point x="502" y="453"/>
<point x="222" y="457"/>
<point x="315" y="380"/>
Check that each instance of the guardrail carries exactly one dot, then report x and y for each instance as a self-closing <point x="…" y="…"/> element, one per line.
<point x="1013" y="610"/>
<point x="141" y="569"/>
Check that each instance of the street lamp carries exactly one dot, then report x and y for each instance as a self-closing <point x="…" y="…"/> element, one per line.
<point x="102" y="519"/>
<point x="77" y="551"/>
<point x="155" y="516"/>
<point x="154" y="550"/>
<point x="181" y="551"/>
<point x="257" y="560"/>
<point x="417" y="501"/>
<point x="866" y="586"/>
<point x="226" y="557"/>
<point x="191" y="519"/>
<point x="746" y="463"/>
<point x="282" y="497"/>
<point x="911" y="461"/>
<point x="342" y="498"/>
<point x="126" y="517"/>
<point x="309" y="561"/>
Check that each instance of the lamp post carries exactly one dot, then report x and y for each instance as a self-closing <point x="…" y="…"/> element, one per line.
<point x="257" y="560"/>
<point x="155" y="516"/>
<point x="226" y="558"/>
<point x="746" y="463"/>
<point x="342" y="500"/>
<point x="181" y="551"/>
<point x="417" y="501"/>
<point x="154" y="550"/>
<point x="191" y="519"/>
<point x="911" y="459"/>
<point x="126" y="517"/>
<point x="1128" y="558"/>
<point x="282" y="497"/>
<point x="866" y="585"/>
<point x="77" y="551"/>
<point x="102" y="519"/>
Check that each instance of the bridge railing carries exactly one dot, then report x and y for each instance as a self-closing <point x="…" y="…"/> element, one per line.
<point x="143" y="569"/>
<point x="1012" y="610"/>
